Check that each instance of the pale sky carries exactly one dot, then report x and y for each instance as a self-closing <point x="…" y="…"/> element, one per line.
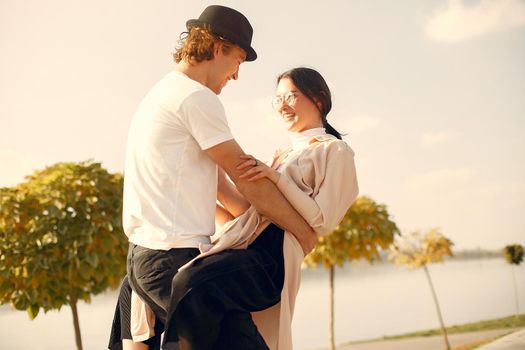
<point x="429" y="93"/>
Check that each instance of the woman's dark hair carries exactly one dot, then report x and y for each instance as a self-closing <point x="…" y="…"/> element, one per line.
<point x="313" y="86"/>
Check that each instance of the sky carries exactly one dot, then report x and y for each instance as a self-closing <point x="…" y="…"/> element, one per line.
<point x="430" y="94"/>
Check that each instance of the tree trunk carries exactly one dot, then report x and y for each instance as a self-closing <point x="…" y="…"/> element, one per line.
<point x="331" y="320"/>
<point x="76" y="324"/>
<point x="443" y="329"/>
<point x="515" y="294"/>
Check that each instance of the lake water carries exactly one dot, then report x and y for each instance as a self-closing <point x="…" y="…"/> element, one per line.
<point x="370" y="301"/>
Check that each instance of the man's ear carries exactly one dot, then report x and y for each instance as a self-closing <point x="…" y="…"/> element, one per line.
<point x="217" y="47"/>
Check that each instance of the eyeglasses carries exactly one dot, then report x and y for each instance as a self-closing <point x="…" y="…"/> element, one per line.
<point x="288" y="98"/>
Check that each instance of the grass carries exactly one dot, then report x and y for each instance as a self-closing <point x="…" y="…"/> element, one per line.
<point x="477" y="344"/>
<point x="499" y="323"/>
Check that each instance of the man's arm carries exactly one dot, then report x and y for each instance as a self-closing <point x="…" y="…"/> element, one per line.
<point x="263" y="195"/>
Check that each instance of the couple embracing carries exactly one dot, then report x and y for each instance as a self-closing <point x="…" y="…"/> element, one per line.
<point x="234" y="288"/>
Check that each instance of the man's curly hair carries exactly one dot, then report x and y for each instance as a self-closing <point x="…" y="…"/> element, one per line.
<point x="197" y="45"/>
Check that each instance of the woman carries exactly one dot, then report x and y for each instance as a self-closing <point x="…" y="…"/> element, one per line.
<point x="212" y="301"/>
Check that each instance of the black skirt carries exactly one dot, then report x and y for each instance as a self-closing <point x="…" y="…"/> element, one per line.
<point x="227" y="286"/>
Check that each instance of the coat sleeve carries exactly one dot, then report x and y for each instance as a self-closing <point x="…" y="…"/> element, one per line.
<point x="328" y="185"/>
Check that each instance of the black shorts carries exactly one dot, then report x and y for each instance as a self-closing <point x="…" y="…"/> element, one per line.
<point x="236" y="281"/>
<point x="154" y="268"/>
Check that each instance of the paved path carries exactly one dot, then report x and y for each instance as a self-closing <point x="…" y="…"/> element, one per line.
<point x="514" y="341"/>
<point x="436" y="342"/>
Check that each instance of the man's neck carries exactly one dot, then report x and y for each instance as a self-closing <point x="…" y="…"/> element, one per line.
<point x="197" y="71"/>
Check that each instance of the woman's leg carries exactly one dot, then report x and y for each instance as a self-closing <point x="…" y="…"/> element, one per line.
<point x="226" y="287"/>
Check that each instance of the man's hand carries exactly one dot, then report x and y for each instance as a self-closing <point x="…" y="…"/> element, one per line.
<point x="308" y="242"/>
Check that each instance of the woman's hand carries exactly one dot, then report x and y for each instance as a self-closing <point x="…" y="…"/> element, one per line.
<point x="257" y="170"/>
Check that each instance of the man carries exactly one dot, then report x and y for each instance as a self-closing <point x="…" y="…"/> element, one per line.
<point x="178" y="137"/>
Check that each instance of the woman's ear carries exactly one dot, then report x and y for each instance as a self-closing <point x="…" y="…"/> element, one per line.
<point x="318" y="103"/>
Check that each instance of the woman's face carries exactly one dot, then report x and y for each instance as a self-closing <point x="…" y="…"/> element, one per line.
<point x="299" y="113"/>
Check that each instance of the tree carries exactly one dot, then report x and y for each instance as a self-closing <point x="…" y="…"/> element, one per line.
<point x="365" y="229"/>
<point x="514" y="256"/>
<point x="415" y="251"/>
<point x="61" y="238"/>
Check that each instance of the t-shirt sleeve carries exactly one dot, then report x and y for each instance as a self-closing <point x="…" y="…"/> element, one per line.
<point x="204" y="117"/>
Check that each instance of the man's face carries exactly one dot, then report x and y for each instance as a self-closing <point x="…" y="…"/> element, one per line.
<point x="225" y="67"/>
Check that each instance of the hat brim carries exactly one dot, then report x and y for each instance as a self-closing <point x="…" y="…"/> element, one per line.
<point x="251" y="55"/>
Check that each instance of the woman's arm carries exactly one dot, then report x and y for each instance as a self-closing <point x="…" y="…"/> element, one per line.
<point x="222" y="216"/>
<point x="335" y="176"/>
<point x="231" y="200"/>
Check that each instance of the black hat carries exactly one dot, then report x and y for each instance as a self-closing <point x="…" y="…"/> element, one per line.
<point x="229" y="24"/>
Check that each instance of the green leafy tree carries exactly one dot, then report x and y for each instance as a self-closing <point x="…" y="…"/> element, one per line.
<point x="61" y="238"/>
<point x="365" y="229"/>
<point x="415" y="251"/>
<point x="514" y="256"/>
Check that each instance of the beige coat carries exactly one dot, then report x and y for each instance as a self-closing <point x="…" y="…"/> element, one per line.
<point x="320" y="182"/>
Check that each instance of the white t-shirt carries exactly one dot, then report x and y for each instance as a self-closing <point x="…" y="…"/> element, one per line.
<point x="170" y="183"/>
